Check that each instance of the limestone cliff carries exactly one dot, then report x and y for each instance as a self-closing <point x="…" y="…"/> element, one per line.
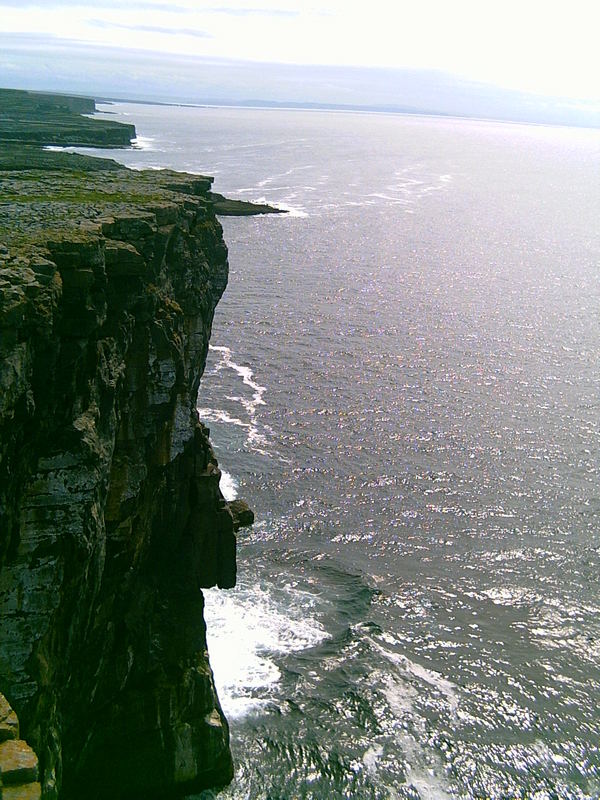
<point x="19" y="768"/>
<point x="111" y="518"/>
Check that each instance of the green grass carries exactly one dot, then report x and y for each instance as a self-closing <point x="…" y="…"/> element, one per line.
<point x="80" y="198"/>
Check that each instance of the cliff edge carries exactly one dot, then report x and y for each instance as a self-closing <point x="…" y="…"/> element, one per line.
<point x="111" y="517"/>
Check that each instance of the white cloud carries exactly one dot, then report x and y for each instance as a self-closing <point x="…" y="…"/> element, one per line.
<point x="537" y="45"/>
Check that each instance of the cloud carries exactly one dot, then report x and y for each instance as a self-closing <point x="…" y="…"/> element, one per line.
<point x="98" y="6"/>
<point x="149" y="5"/>
<point x="247" y="12"/>
<point x="104" y="25"/>
<point x="545" y="46"/>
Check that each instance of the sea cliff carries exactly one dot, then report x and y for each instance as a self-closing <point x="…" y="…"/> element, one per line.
<point x="111" y="517"/>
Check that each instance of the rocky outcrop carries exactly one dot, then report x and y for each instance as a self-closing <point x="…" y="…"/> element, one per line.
<point x="19" y="767"/>
<point x="226" y="207"/>
<point x="242" y="514"/>
<point x="111" y="516"/>
<point x="43" y="118"/>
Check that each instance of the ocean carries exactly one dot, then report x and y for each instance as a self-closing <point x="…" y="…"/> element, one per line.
<point x="403" y="383"/>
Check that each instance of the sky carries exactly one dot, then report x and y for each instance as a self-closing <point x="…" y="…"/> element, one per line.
<point x="549" y="47"/>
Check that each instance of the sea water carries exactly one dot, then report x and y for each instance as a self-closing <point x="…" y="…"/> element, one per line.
<point x="403" y="382"/>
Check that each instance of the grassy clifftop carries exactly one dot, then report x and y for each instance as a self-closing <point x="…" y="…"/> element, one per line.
<point x="45" y="119"/>
<point x="44" y="192"/>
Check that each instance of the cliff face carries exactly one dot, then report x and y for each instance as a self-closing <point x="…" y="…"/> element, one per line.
<point x="111" y="517"/>
<point x="43" y="118"/>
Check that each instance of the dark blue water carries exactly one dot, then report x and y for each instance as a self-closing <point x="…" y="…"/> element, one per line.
<point x="404" y="384"/>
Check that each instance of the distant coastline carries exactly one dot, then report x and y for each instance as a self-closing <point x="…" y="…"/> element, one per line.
<point x="350" y="108"/>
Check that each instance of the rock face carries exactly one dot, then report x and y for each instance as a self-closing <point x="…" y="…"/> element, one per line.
<point x="111" y="518"/>
<point x="19" y="767"/>
<point x="225" y="207"/>
<point x="43" y="118"/>
<point x="242" y="514"/>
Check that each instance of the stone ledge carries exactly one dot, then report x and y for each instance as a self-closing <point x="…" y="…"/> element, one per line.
<point x="9" y="723"/>
<point x="18" y="762"/>
<point x="27" y="791"/>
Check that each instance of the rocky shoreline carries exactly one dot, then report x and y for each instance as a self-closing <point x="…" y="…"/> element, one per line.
<point x="111" y="515"/>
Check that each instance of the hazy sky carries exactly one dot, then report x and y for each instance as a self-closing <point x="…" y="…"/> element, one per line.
<point x="545" y="46"/>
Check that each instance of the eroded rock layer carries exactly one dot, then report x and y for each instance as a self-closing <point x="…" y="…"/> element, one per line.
<point x="111" y="517"/>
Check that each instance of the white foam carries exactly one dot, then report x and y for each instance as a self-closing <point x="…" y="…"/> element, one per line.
<point x="143" y="143"/>
<point x="246" y="629"/>
<point x="510" y="595"/>
<point x="258" y="442"/>
<point x="394" y="200"/>
<point x="267" y="181"/>
<point x="218" y="415"/>
<point x="424" y="769"/>
<point x="372" y="757"/>
<point x="256" y="438"/>
<point x="427" y="783"/>
<point x="401" y="696"/>
<point x="245" y="373"/>
<point x="292" y="211"/>
<point x="247" y="190"/>
<point x="411" y="669"/>
<point x="228" y="485"/>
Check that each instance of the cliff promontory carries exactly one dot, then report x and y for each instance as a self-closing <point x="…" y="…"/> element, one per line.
<point x="111" y="517"/>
